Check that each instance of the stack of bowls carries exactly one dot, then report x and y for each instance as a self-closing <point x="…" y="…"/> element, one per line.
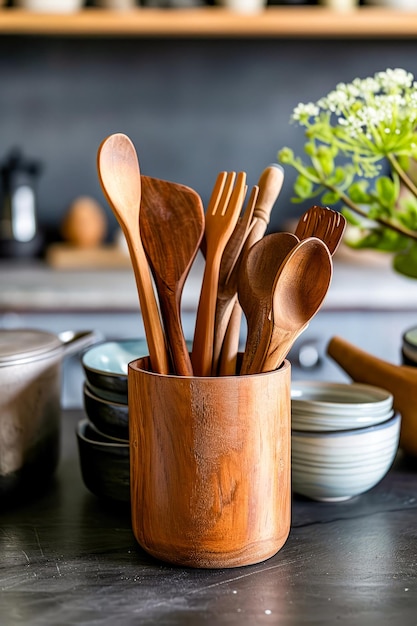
<point x="103" y="437"/>
<point x="344" y="438"/>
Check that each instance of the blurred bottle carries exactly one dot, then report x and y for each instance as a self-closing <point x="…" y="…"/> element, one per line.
<point x="19" y="233"/>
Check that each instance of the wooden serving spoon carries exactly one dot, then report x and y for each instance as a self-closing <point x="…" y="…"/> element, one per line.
<point x="119" y="175"/>
<point x="300" y="288"/>
<point x="269" y="184"/>
<point x="257" y="276"/>
<point x="172" y="225"/>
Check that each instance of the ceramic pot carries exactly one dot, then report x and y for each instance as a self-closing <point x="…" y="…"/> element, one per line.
<point x="30" y="403"/>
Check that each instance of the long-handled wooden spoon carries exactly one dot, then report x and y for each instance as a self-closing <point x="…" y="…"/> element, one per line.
<point x="221" y="219"/>
<point x="300" y="288"/>
<point x="119" y="175"/>
<point x="269" y="184"/>
<point x="172" y="225"/>
<point x="257" y="276"/>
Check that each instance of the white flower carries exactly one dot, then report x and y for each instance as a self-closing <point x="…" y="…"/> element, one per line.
<point x="392" y="80"/>
<point x="305" y="111"/>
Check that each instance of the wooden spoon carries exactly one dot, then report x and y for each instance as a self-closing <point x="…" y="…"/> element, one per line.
<point x="119" y="176"/>
<point x="269" y="184"/>
<point x="172" y="226"/>
<point x="257" y="276"/>
<point x="300" y="288"/>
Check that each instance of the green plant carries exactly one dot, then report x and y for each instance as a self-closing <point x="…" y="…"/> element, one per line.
<point x="361" y="145"/>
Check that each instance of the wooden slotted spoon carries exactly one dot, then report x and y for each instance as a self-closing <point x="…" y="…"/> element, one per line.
<point x="323" y="223"/>
<point x="221" y="218"/>
<point x="119" y="175"/>
<point x="172" y="224"/>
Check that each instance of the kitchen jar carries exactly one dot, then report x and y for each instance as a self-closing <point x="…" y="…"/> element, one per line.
<point x="30" y="402"/>
<point x="210" y="465"/>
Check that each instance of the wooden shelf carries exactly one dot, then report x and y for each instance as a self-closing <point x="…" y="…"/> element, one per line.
<point x="300" y="21"/>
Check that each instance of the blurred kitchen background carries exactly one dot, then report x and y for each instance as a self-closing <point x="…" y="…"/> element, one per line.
<point x="192" y="106"/>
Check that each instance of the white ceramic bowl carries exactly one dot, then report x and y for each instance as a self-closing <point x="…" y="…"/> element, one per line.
<point x="338" y="465"/>
<point x="323" y="406"/>
<point x="105" y="367"/>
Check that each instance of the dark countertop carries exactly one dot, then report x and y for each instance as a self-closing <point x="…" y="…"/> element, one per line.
<point x="66" y="558"/>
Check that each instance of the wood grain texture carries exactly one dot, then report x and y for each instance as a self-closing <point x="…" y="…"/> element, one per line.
<point x="172" y="226"/>
<point x="220" y="220"/>
<point x="119" y="176"/>
<point x="400" y="380"/>
<point x="210" y="466"/>
<point x="274" y="21"/>
<point x="257" y="277"/>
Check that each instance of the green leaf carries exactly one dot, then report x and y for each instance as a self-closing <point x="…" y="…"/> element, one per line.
<point x="310" y="148"/>
<point x="330" y="198"/>
<point x="382" y="239"/>
<point x="303" y="187"/>
<point x="325" y="157"/>
<point x="340" y="175"/>
<point x="358" y="192"/>
<point x="286" y="155"/>
<point x="406" y="262"/>
<point x="351" y="217"/>
<point x="386" y="191"/>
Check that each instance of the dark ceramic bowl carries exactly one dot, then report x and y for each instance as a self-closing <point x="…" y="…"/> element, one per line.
<point x="109" y="418"/>
<point x="409" y="347"/>
<point x="105" y="367"/>
<point x="105" y="465"/>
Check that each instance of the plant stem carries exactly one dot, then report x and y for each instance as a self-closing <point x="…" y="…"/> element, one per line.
<point x="403" y="176"/>
<point x="401" y="230"/>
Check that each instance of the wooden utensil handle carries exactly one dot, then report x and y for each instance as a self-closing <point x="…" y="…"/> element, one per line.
<point x="177" y="345"/>
<point x="155" y="336"/>
<point x="228" y="356"/>
<point x="202" y="352"/>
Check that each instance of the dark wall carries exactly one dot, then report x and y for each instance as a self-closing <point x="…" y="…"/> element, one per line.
<point x="192" y="107"/>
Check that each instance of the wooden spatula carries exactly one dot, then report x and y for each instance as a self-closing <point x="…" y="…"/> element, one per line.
<point x="172" y="225"/>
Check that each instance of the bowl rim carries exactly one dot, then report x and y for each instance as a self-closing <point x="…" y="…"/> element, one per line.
<point x="90" y="393"/>
<point x="383" y="396"/>
<point x="99" y="346"/>
<point x="389" y="423"/>
<point x="80" y="431"/>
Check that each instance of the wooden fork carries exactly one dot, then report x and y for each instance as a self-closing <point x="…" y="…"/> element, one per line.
<point x="220" y="220"/>
<point x="227" y="287"/>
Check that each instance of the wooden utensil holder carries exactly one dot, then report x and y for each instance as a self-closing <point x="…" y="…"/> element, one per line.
<point x="210" y="465"/>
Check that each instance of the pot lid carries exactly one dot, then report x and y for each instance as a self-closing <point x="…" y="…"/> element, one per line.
<point x="18" y="345"/>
